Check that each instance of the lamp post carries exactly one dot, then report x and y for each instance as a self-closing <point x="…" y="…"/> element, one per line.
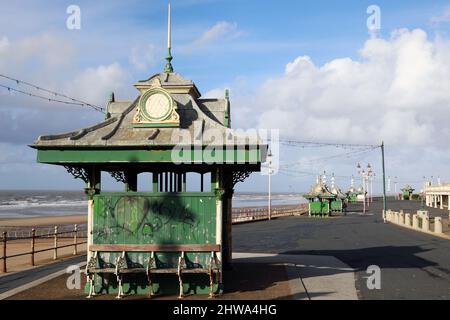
<point x="371" y="186"/>
<point x="395" y="187"/>
<point x="423" y="192"/>
<point x="366" y="178"/>
<point x="370" y="175"/>
<point x="362" y="173"/>
<point x="269" y="157"/>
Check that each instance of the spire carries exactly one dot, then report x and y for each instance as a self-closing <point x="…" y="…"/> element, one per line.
<point x="168" y="68"/>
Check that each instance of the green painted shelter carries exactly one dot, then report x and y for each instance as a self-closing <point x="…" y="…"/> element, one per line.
<point x="320" y="199"/>
<point x="340" y="202"/>
<point x="353" y="193"/>
<point x="407" y="192"/>
<point x="172" y="239"/>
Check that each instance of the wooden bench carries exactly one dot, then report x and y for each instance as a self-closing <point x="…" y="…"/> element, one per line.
<point x="121" y="267"/>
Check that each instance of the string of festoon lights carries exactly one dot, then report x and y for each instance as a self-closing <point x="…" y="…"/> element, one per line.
<point x="68" y="100"/>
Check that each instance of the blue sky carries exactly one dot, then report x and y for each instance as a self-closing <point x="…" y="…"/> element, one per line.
<point x="242" y="45"/>
<point x="273" y="32"/>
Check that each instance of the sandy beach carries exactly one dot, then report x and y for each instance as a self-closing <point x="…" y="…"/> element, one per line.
<point x="21" y="227"/>
<point x="50" y="221"/>
<point x="43" y="221"/>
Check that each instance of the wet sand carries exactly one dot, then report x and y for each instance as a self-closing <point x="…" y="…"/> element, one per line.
<point x="50" y="221"/>
<point x="43" y="221"/>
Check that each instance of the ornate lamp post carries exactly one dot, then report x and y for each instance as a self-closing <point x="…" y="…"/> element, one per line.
<point x="363" y="175"/>
<point x="395" y="187"/>
<point x="423" y="192"/>
<point x="269" y="158"/>
<point x="370" y="175"/>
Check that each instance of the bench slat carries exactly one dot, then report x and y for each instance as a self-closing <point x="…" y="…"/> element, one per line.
<point x="155" y="247"/>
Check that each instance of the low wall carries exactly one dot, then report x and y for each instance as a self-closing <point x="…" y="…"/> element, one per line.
<point x="419" y="221"/>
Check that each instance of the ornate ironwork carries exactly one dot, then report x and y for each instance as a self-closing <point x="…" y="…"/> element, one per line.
<point x="119" y="176"/>
<point x="78" y="173"/>
<point x="240" y="176"/>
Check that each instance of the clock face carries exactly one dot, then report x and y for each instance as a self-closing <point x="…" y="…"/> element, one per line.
<point x="157" y="106"/>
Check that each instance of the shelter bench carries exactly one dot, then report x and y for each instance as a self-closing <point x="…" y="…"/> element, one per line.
<point x="121" y="267"/>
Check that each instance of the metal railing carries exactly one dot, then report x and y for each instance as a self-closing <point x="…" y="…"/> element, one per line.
<point x="74" y="234"/>
<point x="256" y="214"/>
<point x="238" y="216"/>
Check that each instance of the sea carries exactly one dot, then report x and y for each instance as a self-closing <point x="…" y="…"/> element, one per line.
<point x="27" y="204"/>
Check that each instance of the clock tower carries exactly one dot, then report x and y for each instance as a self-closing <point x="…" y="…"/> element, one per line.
<point x="156" y="107"/>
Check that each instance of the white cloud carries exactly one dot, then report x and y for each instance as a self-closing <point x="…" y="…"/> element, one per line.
<point x="95" y="84"/>
<point x="398" y="91"/>
<point x="144" y="57"/>
<point x="51" y="50"/>
<point x="222" y="30"/>
<point x="4" y="44"/>
<point x="48" y="61"/>
<point x="444" y="17"/>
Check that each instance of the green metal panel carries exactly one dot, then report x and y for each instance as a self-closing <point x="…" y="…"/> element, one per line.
<point x="336" y="206"/>
<point x="319" y="208"/>
<point x="353" y="198"/>
<point x="155" y="218"/>
<point x="104" y="155"/>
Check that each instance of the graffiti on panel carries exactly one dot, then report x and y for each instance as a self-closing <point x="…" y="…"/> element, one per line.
<point x="136" y="217"/>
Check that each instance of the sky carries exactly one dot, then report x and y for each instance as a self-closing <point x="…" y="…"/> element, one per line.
<point x="310" y="69"/>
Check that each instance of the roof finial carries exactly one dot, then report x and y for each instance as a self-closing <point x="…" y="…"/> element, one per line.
<point x="168" y="68"/>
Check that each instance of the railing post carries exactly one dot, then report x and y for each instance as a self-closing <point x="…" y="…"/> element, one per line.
<point x="55" y="248"/>
<point x="33" y="242"/>
<point x="4" y="270"/>
<point x="75" y="239"/>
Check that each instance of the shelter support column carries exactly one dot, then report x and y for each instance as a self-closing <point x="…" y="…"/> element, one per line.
<point x="227" y="227"/>
<point x="224" y="193"/>
<point x="93" y="186"/>
<point x="131" y="181"/>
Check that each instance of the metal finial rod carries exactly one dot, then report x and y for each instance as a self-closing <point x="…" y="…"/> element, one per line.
<point x="168" y="68"/>
<point x="169" y="29"/>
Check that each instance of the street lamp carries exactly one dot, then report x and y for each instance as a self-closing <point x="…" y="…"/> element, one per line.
<point x="363" y="180"/>
<point x="395" y="186"/>
<point x="369" y="180"/>
<point x="372" y="178"/>
<point x="269" y="157"/>
<point x="423" y="192"/>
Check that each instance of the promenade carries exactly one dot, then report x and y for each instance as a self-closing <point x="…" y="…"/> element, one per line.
<point x="320" y="258"/>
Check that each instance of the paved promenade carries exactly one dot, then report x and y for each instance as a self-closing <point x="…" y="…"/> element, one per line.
<point x="322" y="258"/>
<point x="413" y="265"/>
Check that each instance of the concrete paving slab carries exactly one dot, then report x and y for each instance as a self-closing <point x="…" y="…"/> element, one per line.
<point x="311" y="276"/>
